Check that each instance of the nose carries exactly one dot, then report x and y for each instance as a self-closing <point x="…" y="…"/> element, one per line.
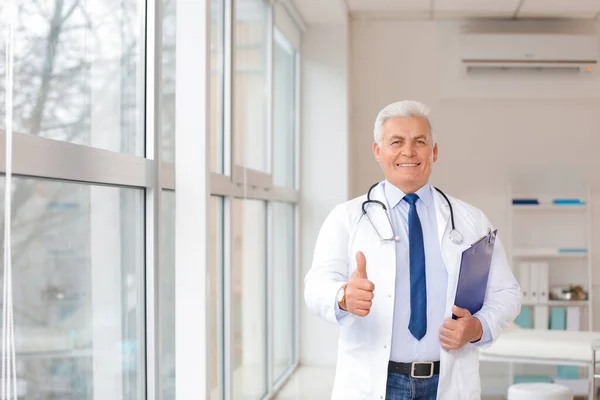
<point x="408" y="150"/>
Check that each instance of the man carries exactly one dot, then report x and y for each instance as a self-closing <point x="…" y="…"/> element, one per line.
<point x="385" y="269"/>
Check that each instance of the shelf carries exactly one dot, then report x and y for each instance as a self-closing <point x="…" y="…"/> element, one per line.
<point x="558" y="303"/>
<point x="549" y="207"/>
<point x="579" y="387"/>
<point x="548" y="253"/>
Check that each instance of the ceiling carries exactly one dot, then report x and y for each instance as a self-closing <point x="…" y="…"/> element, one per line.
<point x="334" y="11"/>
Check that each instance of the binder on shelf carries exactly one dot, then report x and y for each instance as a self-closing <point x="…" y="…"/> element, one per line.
<point x="530" y="252"/>
<point x="559" y="321"/>
<point x="572" y="250"/>
<point x="532" y="379"/>
<point x="539" y="272"/>
<point x="525" y="283"/>
<point x="543" y="281"/>
<point x="541" y="318"/>
<point x="568" y="202"/>
<point x="518" y="201"/>
<point x="524" y="318"/>
<point x="573" y="318"/>
<point x="533" y="283"/>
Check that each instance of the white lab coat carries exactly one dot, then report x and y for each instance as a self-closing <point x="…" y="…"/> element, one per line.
<point x="364" y="343"/>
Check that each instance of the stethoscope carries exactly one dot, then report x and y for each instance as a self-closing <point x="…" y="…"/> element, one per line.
<point x="455" y="236"/>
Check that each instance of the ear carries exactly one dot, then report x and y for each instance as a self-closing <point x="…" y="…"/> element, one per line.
<point x="435" y="152"/>
<point x="377" y="152"/>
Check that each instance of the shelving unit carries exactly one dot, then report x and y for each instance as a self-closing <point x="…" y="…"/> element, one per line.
<point x="558" y="303"/>
<point x="550" y="250"/>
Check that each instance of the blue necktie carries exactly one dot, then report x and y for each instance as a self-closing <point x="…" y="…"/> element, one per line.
<point x="418" y="290"/>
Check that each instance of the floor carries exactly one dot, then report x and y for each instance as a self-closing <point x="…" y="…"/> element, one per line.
<point x="315" y="383"/>
<point x="309" y="383"/>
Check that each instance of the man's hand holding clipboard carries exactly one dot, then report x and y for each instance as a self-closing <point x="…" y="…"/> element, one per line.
<point x="474" y="272"/>
<point x="470" y="294"/>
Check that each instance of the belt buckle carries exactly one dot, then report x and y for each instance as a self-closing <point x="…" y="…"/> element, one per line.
<point x="412" y="370"/>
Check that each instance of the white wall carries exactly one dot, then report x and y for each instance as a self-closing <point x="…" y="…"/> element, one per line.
<point x="324" y="167"/>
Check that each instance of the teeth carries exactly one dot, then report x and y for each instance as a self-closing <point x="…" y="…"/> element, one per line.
<point x="407" y="165"/>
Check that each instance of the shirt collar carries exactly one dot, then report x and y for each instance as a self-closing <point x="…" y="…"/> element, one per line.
<point x="394" y="195"/>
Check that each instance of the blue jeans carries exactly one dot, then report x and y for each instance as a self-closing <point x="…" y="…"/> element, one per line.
<point x="404" y="387"/>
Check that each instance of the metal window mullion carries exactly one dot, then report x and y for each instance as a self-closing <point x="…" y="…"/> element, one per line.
<point x="280" y="194"/>
<point x="153" y="123"/>
<point x="221" y="185"/>
<point x="294" y="14"/>
<point x="222" y="258"/>
<point x="297" y="124"/>
<point x="282" y="380"/>
<point x="40" y="157"/>
<point x="192" y="175"/>
<point x="297" y="279"/>
<point x="270" y="321"/>
<point x="227" y="297"/>
<point x="167" y="176"/>
<point x="224" y="185"/>
<point x="258" y="179"/>
<point x="269" y="90"/>
<point x="228" y="88"/>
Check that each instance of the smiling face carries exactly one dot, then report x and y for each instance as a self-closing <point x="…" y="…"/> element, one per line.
<point x="406" y="152"/>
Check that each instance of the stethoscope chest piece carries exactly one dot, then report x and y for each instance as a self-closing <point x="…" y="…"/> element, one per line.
<point x="456" y="237"/>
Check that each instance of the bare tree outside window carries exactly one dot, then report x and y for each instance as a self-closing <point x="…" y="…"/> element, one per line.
<point x="77" y="78"/>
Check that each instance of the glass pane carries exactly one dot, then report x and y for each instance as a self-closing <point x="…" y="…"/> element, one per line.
<point x="215" y="274"/>
<point x="283" y="286"/>
<point x="78" y="75"/>
<point x="250" y="106"/>
<point x="284" y="113"/>
<point x="167" y="295"/>
<point x="216" y="85"/>
<point x="77" y="255"/>
<point x="168" y="79"/>
<point x="248" y="300"/>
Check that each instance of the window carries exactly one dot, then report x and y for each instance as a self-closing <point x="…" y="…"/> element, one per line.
<point x="77" y="256"/>
<point x="169" y="43"/>
<point x="283" y="265"/>
<point x="88" y="289"/>
<point x="166" y="278"/>
<point x="249" y="300"/>
<point x="250" y="83"/>
<point x="78" y="73"/>
<point x="216" y="85"/>
<point x="215" y="284"/>
<point x="284" y="113"/>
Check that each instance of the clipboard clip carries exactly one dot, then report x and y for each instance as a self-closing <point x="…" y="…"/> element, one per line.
<point x="487" y="236"/>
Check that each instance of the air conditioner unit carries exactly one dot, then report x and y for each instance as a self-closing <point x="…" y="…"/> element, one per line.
<point x="484" y="51"/>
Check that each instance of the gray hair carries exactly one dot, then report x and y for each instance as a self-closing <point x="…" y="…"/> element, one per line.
<point x="401" y="109"/>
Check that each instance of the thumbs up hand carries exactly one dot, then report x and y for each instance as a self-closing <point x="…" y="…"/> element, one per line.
<point x="359" y="290"/>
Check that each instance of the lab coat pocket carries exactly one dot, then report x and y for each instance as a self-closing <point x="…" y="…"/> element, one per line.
<point x="353" y="375"/>
<point x="468" y="365"/>
<point x="353" y="336"/>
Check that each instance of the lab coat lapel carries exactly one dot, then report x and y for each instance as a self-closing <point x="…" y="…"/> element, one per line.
<point x="380" y="217"/>
<point x="442" y="215"/>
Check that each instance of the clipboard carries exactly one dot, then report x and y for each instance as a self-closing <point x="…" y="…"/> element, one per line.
<point x="474" y="272"/>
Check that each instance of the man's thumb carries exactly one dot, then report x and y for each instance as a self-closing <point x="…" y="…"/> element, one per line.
<point x="460" y="312"/>
<point x="361" y="265"/>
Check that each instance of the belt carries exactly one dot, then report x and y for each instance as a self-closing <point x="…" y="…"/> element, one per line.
<point x="416" y="369"/>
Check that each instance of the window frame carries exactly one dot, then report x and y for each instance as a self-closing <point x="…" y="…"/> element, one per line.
<point x="45" y="158"/>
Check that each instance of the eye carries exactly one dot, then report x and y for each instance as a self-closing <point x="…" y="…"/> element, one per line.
<point x="421" y="141"/>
